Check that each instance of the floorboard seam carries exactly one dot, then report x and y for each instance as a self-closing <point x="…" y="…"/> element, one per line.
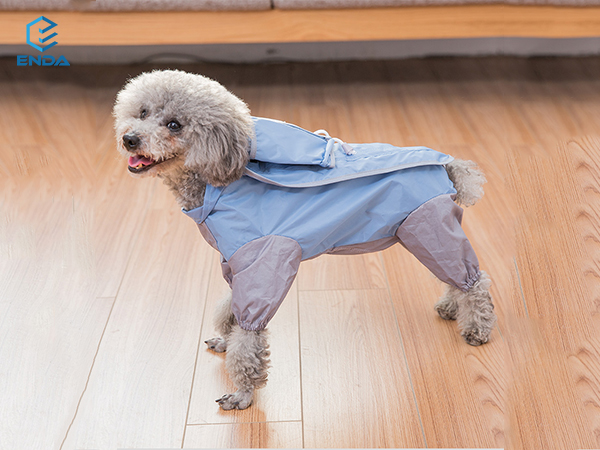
<point x="300" y="364"/>
<point x="87" y="381"/>
<point x="187" y="414"/>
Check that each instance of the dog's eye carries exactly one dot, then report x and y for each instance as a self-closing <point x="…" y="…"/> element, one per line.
<point x="143" y="114"/>
<point x="173" y="125"/>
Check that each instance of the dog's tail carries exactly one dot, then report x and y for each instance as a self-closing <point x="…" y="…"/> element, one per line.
<point x="468" y="181"/>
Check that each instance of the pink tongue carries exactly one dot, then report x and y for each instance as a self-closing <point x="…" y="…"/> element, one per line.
<point x="136" y="160"/>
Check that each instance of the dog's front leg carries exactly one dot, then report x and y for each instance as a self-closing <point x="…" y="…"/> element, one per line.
<point x="247" y="362"/>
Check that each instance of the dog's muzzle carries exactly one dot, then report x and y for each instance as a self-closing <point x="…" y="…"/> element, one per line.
<point x="131" y="142"/>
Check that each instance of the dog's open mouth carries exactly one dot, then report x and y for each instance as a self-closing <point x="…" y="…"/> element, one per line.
<point x="141" y="163"/>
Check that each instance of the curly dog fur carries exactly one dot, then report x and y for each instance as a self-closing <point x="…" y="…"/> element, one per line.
<point x="468" y="181"/>
<point x="189" y="131"/>
<point x="473" y="310"/>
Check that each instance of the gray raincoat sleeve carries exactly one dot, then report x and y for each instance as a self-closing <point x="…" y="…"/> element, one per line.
<point x="260" y="274"/>
<point x="433" y="234"/>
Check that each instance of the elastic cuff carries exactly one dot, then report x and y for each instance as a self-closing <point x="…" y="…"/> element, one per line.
<point x="469" y="284"/>
<point x="249" y="326"/>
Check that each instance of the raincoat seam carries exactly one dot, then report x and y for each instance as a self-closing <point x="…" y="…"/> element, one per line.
<point x="423" y="205"/>
<point x="256" y="239"/>
<point x="347" y="177"/>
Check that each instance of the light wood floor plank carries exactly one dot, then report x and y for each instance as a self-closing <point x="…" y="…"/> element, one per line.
<point x="51" y="321"/>
<point x="549" y="259"/>
<point x="546" y="118"/>
<point x="434" y="119"/>
<point x="459" y="389"/>
<point x="60" y="167"/>
<point x="245" y="435"/>
<point x="342" y="272"/>
<point x="585" y="368"/>
<point x="49" y="338"/>
<point x="139" y="390"/>
<point x="492" y="119"/>
<point x="570" y="84"/>
<point x="442" y="366"/>
<point x="349" y="399"/>
<point x="584" y="154"/>
<point x="115" y="225"/>
<point x="372" y="112"/>
<point x="258" y="82"/>
<point x="52" y="314"/>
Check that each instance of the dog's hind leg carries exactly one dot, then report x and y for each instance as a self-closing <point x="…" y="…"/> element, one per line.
<point x="473" y="309"/>
<point x="476" y="317"/>
<point x="247" y="362"/>
<point x="224" y="322"/>
<point x="447" y="306"/>
<point x="433" y="234"/>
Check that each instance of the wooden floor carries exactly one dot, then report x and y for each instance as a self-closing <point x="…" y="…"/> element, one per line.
<point x="107" y="290"/>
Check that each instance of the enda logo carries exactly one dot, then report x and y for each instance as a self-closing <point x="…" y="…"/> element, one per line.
<point x="42" y="31"/>
<point x="45" y="25"/>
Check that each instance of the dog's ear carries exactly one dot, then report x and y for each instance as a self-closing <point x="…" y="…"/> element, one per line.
<point x="219" y="152"/>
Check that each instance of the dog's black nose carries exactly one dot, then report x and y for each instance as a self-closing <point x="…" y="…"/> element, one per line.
<point x="131" y="141"/>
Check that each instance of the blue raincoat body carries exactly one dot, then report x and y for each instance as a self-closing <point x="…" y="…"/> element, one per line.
<point x="304" y="194"/>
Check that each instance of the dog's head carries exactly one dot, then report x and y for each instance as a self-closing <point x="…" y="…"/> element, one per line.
<point x="170" y="120"/>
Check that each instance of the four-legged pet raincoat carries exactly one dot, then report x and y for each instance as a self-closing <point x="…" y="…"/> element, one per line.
<point x="304" y="194"/>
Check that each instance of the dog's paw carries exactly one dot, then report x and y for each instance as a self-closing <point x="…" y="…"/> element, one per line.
<point x="238" y="400"/>
<point x="475" y="337"/>
<point x="447" y="309"/>
<point x="217" y="344"/>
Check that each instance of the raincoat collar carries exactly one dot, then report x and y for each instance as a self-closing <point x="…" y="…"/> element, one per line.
<point x="211" y="196"/>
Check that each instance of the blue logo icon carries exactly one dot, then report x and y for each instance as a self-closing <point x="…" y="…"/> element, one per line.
<point x="41" y="60"/>
<point x="43" y="39"/>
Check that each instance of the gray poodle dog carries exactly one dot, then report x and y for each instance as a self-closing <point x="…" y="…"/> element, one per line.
<point x="268" y="195"/>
